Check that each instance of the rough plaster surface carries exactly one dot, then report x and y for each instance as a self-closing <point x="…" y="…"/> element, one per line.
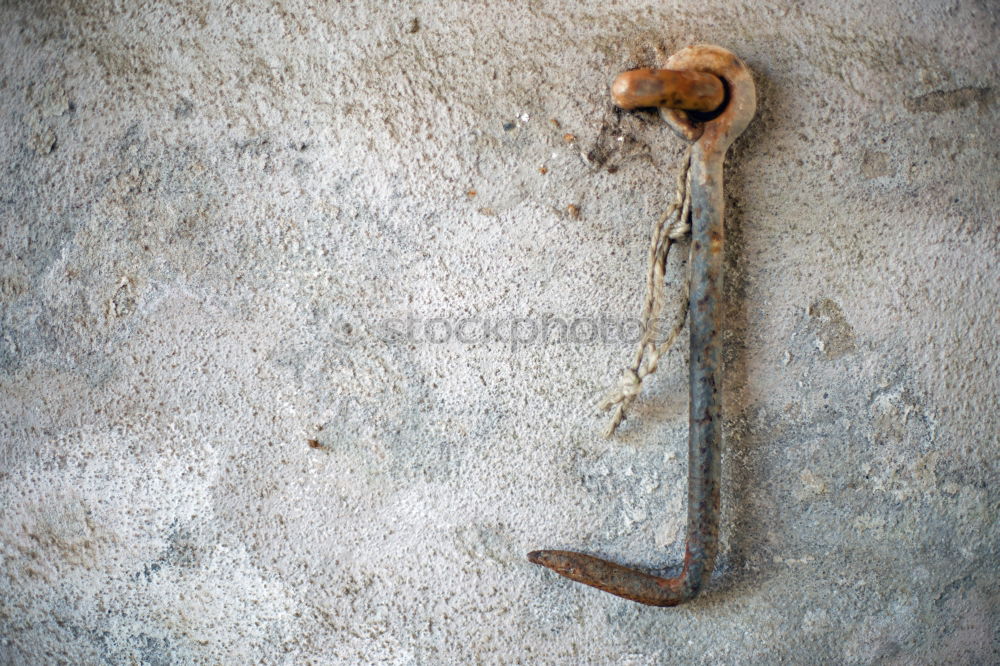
<point x="219" y="445"/>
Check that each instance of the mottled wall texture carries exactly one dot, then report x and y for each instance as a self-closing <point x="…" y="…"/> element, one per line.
<point x="305" y="307"/>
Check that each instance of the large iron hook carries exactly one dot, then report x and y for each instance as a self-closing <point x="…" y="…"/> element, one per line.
<point x="686" y="85"/>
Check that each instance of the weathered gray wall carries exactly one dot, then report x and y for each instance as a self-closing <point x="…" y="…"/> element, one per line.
<point x="210" y="214"/>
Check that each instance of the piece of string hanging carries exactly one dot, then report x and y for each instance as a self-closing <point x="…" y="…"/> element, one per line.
<point x="673" y="225"/>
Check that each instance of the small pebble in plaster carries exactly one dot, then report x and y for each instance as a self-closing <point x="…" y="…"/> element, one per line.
<point x="314" y="444"/>
<point x="812" y="483"/>
<point x="569" y="138"/>
<point x="875" y="164"/>
<point x="414" y="26"/>
<point x="543" y="169"/>
<point x="471" y="193"/>
<point x="834" y="335"/>
<point x="574" y="211"/>
<point x="53" y="100"/>
<point x="184" y="109"/>
<point x="508" y="126"/>
<point x="123" y="302"/>
<point x="555" y="123"/>
<point x="43" y="141"/>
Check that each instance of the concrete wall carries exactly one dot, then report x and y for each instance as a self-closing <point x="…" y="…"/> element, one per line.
<point x="220" y="444"/>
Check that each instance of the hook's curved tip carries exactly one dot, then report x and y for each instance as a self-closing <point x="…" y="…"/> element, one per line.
<point x="560" y="561"/>
<point x="563" y="562"/>
<point x="575" y="566"/>
<point x="616" y="579"/>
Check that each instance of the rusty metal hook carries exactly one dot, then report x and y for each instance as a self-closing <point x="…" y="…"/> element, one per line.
<point x="712" y="135"/>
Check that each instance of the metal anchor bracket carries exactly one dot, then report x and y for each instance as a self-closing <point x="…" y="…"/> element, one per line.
<point x="687" y="93"/>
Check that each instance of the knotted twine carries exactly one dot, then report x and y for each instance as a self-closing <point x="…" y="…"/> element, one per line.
<point x="674" y="225"/>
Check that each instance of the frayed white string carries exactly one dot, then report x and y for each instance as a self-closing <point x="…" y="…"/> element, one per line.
<point x="673" y="225"/>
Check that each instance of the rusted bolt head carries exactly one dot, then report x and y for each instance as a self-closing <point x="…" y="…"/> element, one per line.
<point x="687" y="90"/>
